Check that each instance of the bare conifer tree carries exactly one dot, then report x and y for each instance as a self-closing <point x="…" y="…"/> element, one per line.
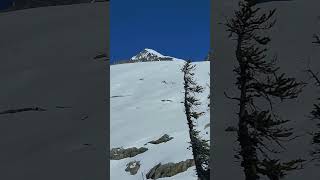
<point x="260" y="131"/>
<point x="315" y="113"/>
<point x="200" y="147"/>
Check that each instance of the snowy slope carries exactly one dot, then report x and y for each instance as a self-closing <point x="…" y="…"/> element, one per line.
<point x="140" y="116"/>
<point x="297" y="21"/>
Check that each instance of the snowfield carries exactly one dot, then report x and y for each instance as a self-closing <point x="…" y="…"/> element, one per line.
<point x="138" y="114"/>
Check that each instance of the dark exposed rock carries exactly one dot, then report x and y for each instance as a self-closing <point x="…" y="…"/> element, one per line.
<point x="133" y="167"/>
<point x="117" y="96"/>
<point x="121" y="153"/>
<point x="169" y="169"/>
<point x="162" y="139"/>
<point x="166" y="100"/>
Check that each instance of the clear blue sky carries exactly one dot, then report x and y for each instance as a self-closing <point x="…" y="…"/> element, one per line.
<point x="179" y="28"/>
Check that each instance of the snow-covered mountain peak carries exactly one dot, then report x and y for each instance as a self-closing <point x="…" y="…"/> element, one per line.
<point x="152" y="52"/>
<point x="150" y="55"/>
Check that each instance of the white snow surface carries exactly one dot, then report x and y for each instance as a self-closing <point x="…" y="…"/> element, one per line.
<point x="139" y="115"/>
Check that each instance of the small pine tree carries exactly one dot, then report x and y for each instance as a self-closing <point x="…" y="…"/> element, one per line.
<point x="200" y="147"/>
<point x="259" y="80"/>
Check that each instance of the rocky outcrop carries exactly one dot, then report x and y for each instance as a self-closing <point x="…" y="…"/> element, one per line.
<point x="121" y="153"/>
<point x="133" y="167"/>
<point x="162" y="139"/>
<point x="169" y="169"/>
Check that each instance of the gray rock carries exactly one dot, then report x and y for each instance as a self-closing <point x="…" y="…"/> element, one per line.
<point x="169" y="169"/>
<point x="162" y="139"/>
<point x="133" y="167"/>
<point x="120" y="153"/>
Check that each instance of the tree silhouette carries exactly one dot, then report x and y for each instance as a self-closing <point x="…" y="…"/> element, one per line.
<point x="200" y="147"/>
<point x="261" y="132"/>
<point x="315" y="113"/>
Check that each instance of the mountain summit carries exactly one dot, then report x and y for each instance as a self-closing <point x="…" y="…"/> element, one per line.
<point x="150" y="55"/>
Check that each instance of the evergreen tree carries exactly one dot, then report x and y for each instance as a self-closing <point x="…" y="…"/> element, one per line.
<point x="260" y="131"/>
<point x="315" y="113"/>
<point x="200" y="147"/>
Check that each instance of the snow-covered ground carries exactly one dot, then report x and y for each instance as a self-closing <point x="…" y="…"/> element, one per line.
<point x="139" y="115"/>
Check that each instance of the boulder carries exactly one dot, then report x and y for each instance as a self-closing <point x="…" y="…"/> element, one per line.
<point x="121" y="153"/>
<point x="169" y="169"/>
<point x="133" y="167"/>
<point x="162" y="139"/>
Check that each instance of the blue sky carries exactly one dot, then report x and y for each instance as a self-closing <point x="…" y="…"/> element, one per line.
<point x="179" y="28"/>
